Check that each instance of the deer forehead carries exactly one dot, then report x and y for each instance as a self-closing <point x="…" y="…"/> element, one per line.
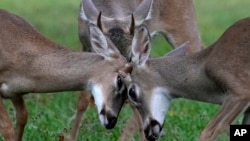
<point x="144" y="77"/>
<point x="110" y="67"/>
<point x="122" y="24"/>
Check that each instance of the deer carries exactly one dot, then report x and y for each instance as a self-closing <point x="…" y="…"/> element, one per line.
<point x="175" y="20"/>
<point x="32" y="63"/>
<point x="218" y="74"/>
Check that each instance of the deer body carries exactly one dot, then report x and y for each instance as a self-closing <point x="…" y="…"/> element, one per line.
<point x="188" y="80"/>
<point x="218" y="74"/>
<point x="31" y="63"/>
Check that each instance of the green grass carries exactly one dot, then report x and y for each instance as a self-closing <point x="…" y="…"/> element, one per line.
<point x="51" y="115"/>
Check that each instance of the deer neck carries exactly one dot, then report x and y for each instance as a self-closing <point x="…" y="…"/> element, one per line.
<point x="186" y="77"/>
<point x="70" y="71"/>
<point x="57" y="69"/>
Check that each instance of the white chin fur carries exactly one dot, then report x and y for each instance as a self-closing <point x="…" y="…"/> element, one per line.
<point x="159" y="104"/>
<point x="156" y="129"/>
<point x="98" y="96"/>
<point x="103" y="120"/>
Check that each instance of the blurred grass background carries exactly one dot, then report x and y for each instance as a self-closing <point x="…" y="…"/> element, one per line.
<point x="51" y="115"/>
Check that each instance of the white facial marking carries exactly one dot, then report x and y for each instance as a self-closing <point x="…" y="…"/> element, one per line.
<point x="156" y="129"/>
<point x="159" y="104"/>
<point x="103" y="119"/>
<point x="98" y="96"/>
<point x="5" y="89"/>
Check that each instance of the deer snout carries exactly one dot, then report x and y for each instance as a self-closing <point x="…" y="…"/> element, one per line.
<point x="153" y="130"/>
<point x="108" y="119"/>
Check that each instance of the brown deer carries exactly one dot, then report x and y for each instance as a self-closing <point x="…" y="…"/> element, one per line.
<point x="175" y="20"/>
<point x="219" y="74"/>
<point x="31" y="63"/>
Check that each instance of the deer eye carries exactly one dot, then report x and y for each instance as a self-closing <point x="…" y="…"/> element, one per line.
<point x="132" y="94"/>
<point x="119" y="82"/>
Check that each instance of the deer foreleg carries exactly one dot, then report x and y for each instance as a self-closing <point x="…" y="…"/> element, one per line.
<point x="178" y="25"/>
<point x="82" y="105"/>
<point x="132" y="125"/>
<point x="21" y="116"/>
<point x="230" y="109"/>
<point x="6" y="127"/>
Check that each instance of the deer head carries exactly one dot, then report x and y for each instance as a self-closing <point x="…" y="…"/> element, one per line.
<point x="109" y="104"/>
<point x="120" y="29"/>
<point x="108" y="98"/>
<point x="145" y="88"/>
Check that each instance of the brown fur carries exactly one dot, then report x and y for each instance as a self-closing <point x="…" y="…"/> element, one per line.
<point x="31" y="63"/>
<point x="218" y="74"/>
<point x="174" y="19"/>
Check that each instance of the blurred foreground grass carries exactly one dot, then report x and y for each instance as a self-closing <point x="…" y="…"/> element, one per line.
<point x="51" y="115"/>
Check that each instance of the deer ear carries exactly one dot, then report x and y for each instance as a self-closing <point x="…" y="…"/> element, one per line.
<point x="143" y="12"/>
<point x="100" y="44"/>
<point x="179" y="51"/>
<point x="88" y="11"/>
<point x="141" y="46"/>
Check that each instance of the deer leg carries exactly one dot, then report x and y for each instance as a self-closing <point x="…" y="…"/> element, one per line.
<point x="82" y="105"/>
<point x="181" y="25"/>
<point x="129" y="130"/>
<point x="230" y="109"/>
<point x="21" y="117"/>
<point x="6" y="127"/>
<point x="132" y="125"/>
<point x="139" y="122"/>
<point x="246" y="119"/>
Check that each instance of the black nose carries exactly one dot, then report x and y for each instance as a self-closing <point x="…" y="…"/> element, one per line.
<point x="111" y="119"/>
<point x="151" y="138"/>
<point x="111" y="122"/>
<point x="152" y="131"/>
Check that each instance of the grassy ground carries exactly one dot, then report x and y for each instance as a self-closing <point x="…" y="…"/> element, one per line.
<point x="51" y="115"/>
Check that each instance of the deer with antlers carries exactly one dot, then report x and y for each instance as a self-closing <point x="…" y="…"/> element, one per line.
<point x="175" y="20"/>
<point x="31" y="63"/>
<point x="219" y="74"/>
